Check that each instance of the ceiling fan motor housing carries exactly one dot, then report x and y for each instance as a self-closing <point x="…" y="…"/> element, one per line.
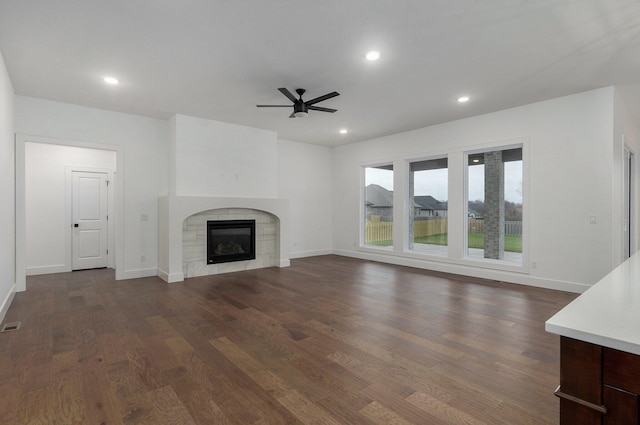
<point x="300" y="107"/>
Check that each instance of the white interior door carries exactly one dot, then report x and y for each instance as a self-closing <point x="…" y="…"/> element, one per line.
<point x="89" y="220"/>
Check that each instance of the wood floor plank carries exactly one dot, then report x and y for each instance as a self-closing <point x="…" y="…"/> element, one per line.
<point x="442" y="410"/>
<point x="382" y="415"/>
<point x="68" y="405"/>
<point x="9" y="400"/>
<point x="100" y="403"/>
<point x="305" y="410"/>
<point x="166" y="408"/>
<point x="329" y="340"/>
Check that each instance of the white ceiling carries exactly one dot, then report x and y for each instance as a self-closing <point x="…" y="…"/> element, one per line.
<point x="217" y="59"/>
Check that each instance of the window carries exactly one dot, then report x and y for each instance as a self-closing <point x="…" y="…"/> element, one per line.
<point x="494" y="214"/>
<point x="428" y="209"/>
<point x="378" y="206"/>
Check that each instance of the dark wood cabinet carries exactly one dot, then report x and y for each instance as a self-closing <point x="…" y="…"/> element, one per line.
<point x="622" y="406"/>
<point x="598" y="385"/>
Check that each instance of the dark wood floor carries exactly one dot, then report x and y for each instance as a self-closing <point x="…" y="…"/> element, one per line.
<point x="329" y="340"/>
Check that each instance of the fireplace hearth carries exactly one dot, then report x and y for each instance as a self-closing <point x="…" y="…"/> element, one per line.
<point x="230" y="240"/>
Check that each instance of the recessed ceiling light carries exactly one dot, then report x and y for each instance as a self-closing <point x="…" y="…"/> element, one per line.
<point x="373" y="55"/>
<point x="463" y="99"/>
<point x="111" y="80"/>
<point x="343" y="131"/>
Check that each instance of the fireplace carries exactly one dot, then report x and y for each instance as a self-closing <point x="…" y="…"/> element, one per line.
<point x="230" y="240"/>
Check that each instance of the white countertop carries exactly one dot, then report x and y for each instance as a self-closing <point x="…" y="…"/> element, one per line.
<point x="608" y="313"/>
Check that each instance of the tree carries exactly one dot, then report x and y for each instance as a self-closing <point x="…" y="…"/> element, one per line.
<point x="477" y="206"/>
<point x="512" y="211"/>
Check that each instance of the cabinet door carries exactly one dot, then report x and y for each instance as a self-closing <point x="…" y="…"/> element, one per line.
<point x="621" y="370"/>
<point x="622" y="407"/>
<point x="572" y="413"/>
<point x="580" y="382"/>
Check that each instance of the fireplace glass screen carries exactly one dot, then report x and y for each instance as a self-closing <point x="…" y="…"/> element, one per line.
<point x="231" y="240"/>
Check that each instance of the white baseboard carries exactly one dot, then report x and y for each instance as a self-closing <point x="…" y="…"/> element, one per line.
<point x="170" y="277"/>
<point x="6" y="303"/>
<point x="33" y="271"/>
<point x="284" y="263"/>
<point x="499" y="275"/>
<point x="313" y="253"/>
<point x="138" y="273"/>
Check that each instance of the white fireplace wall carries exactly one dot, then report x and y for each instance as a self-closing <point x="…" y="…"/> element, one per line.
<point x="194" y="242"/>
<point x="213" y="158"/>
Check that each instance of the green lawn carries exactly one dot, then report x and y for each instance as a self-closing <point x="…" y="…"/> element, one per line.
<point x="476" y="240"/>
<point x="380" y="243"/>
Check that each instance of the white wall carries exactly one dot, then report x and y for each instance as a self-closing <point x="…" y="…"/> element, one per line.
<point x="46" y="201"/>
<point x="305" y="178"/>
<point x="141" y="144"/>
<point x="213" y="158"/>
<point x="568" y="179"/>
<point x="7" y="183"/>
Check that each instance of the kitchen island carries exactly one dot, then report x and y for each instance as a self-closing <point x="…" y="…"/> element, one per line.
<point x="600" y="351"/>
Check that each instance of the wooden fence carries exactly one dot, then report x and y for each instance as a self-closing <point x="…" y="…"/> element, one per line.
<point x="429" y="227"/>
<point x="476" y="226"/>
<point x="378" y="231"/>
<point x="510" y="227"/>
<point x="513" y="228"/>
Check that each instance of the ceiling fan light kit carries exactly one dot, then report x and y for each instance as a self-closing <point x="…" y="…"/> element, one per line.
<point x="300" y="107"/>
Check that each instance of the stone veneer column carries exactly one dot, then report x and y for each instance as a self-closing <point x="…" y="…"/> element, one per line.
<point x="493" y="205"/>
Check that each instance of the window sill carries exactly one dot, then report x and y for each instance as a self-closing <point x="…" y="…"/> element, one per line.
<point x="447" y="258"/>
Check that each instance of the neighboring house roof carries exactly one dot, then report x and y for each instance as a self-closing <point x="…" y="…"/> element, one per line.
<point x="378" y="196"/>
<point x="473" y="213"/>
<point x="428" y="202"/>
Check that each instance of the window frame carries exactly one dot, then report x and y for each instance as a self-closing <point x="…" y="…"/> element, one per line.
<point x="409" y="207"/>
<point x="503" y="264"/>
<point x="362" y="207"/>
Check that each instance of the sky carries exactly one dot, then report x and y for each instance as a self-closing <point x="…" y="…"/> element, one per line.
<point x="434" y="182"/>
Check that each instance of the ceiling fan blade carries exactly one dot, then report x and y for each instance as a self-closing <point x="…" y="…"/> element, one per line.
<point x="321" y="98"/>
<point x="320" y="108"/>
<point x="273" y="106"/>
<point x="287" y="93"/>
<point x="293" y="114"/>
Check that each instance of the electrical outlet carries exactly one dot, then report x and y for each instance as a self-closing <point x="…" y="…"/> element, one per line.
<point x="143" y="258"/>
<point x="534" y="264"/>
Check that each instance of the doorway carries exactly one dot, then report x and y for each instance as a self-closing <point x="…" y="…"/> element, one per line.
<point x="628" y="204"/>
<point x="43" y="206"/>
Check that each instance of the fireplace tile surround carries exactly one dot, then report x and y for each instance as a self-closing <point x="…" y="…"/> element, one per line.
<point x="182" y="222"/>
<point x="194" y="242"/>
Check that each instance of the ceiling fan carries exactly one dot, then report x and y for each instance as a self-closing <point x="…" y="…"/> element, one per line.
<point x="300" y="107"/>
